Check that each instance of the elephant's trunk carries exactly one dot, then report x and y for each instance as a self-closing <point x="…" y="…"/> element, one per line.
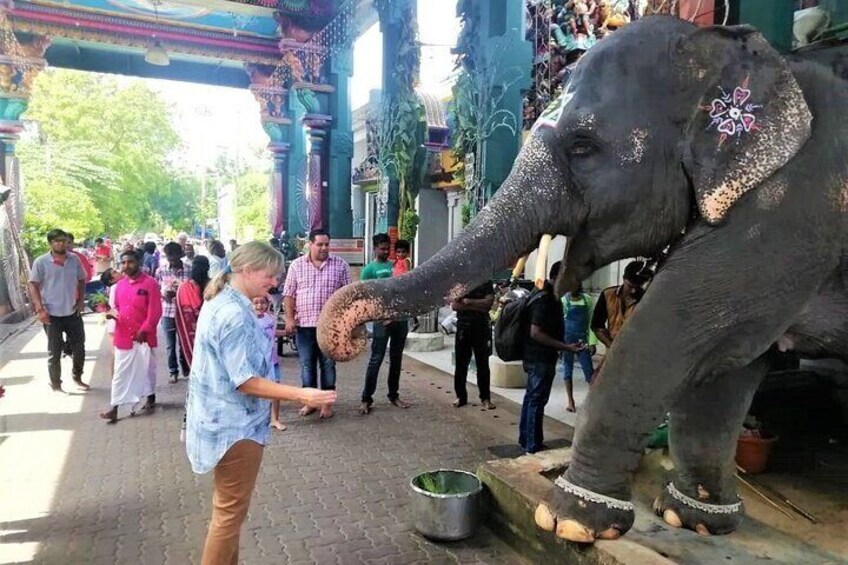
<point x="527" y="206"/>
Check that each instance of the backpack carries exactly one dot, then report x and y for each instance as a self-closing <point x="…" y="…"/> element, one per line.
<point x="512" y="327"/>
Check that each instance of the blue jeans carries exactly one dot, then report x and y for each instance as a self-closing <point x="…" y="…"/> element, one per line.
<point x="310" y="355"/>
<point x="584" y="357"/>
<point x="396" y="331"/>
<point x="540" y="378"/>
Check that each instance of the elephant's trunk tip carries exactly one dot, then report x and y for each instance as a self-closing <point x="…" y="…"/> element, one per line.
<point x="343" y="313"/>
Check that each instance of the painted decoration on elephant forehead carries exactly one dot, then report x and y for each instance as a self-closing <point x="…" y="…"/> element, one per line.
<point x="550" y="116"/>
<point x="732" y="114"/>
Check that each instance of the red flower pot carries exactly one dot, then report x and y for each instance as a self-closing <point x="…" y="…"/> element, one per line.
<point x="752" y="453"/>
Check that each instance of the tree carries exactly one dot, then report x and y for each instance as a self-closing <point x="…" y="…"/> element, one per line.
<point x="51" y="204"/>
<point x="103" y="152"/>
<point x="252" y="206"/>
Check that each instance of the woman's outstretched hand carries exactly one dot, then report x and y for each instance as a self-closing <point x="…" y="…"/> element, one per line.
<point x="315" y="398"/>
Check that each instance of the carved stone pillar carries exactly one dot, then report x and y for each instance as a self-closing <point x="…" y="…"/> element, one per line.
<point x="279" y="217"/>
<point x="273" y="99"/>
<point x="20" y="63"/>
<point x="317" y="126"/>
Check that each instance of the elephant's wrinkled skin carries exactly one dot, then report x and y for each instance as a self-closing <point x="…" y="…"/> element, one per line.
<point x="756" y="224"/>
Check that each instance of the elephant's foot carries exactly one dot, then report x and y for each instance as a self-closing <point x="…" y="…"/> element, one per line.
<point x="682" y="511"/>
<point x="580" y="515"/>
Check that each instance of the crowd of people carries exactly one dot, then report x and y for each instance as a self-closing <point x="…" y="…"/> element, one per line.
<point x="216" y="315"/>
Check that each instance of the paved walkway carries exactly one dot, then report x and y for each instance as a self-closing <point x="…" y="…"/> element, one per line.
<point x="74" y="490"/>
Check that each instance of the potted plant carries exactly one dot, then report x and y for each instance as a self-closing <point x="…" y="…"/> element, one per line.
<point x="754" y="446"/>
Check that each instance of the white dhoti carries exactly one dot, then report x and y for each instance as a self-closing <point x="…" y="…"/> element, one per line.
<point x="135" y="374"/>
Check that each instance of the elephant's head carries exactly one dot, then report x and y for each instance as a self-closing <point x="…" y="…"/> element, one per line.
<point x="660" y="125"/>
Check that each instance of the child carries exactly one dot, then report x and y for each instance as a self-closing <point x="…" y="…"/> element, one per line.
<point x="268" y="323"/>
<point x="108" y="279"/>
<point x="403" y="264"/>
<point x="577" y="307"/>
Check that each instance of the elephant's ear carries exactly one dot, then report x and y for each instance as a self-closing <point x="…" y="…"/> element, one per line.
<point x="748" y="116"/>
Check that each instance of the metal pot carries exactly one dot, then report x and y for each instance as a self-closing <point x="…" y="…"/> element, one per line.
<point x="452" y="516"/>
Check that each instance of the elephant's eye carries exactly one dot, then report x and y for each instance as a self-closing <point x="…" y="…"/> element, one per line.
<point x="582" y="147"/>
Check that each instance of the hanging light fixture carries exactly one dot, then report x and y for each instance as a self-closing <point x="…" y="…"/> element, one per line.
<point x="156" y="54"/>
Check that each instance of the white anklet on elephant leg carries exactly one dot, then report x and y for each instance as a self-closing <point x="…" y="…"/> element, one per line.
<point x="703" y="506"/>
<point x="590" y="496"/>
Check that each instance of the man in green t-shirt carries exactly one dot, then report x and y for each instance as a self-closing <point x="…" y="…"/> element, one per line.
<point x="394" y="331"/>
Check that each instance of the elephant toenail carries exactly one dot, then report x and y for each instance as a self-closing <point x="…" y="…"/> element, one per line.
<point x="702" y="530"/>
<point x="657" y="507"/>
<point x="611" y="533"/>
<point x="672" y="519"/>
<point x="703" y="494"/>
<point x="545" y="519"/>
<point x="573" y="531"/>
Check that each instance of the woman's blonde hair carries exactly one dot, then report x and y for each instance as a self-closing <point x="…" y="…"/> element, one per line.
<point x="255" y="256"/>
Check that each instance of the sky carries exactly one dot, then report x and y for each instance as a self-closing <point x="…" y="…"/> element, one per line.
<point x="214" y="120"/>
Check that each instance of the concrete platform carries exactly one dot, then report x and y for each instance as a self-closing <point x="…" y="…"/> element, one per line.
<point x="556" y="408"/>
<point x="515" y="486"/>
<point x="424" y="342"/>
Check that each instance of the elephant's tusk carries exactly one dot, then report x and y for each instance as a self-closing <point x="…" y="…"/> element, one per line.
<point x="542" y="261"/>
<point x="519" y="268"/>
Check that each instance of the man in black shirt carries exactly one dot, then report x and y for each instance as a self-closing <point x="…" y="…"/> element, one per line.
<point x="541" y="351"/>
<point x="473" y="335"/>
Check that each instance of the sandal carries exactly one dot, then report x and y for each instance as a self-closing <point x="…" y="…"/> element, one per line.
<point x="365" y="408"/>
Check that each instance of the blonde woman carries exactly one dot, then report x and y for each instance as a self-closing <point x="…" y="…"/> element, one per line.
<point x="228" y="406"/>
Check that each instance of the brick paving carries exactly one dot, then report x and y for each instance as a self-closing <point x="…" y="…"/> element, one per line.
<point x="74" y="490"/>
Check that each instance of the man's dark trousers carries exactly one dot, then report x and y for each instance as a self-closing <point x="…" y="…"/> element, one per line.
<point x="169" y="326"/>
<point x="475" y="338"/>
<point x="396" y="332"/>
<point x="64" y="329"/>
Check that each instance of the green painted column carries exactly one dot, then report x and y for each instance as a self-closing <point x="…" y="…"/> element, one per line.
<point x="774" y="18"/>
<point x="300" y="102"/>
<point x="502" y="37"/>
<point x="341" y="146"/>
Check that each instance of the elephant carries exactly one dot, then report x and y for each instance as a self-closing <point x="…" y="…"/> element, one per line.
<point x="709" y="148"/>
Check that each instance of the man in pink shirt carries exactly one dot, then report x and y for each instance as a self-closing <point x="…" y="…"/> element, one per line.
<point x="137" y="311"/>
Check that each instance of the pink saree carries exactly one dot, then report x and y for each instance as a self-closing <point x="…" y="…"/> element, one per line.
<point x="189" y="301"/>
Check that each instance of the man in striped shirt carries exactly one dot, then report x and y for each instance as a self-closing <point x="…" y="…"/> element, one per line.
<point x="170" y="277"/>
<point x="311" y="280"/>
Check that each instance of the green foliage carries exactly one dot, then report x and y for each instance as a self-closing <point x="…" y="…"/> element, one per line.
<point x="466" y="214"/>
<point x="49" y="203"/>
<point x="252" y="205"/>
<point x="408" y="227"/>
<point x="463" y="117"/>
<point x="436" y="483"/>
<point x="403" y="125"/>
<point x="101" y="164"/>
